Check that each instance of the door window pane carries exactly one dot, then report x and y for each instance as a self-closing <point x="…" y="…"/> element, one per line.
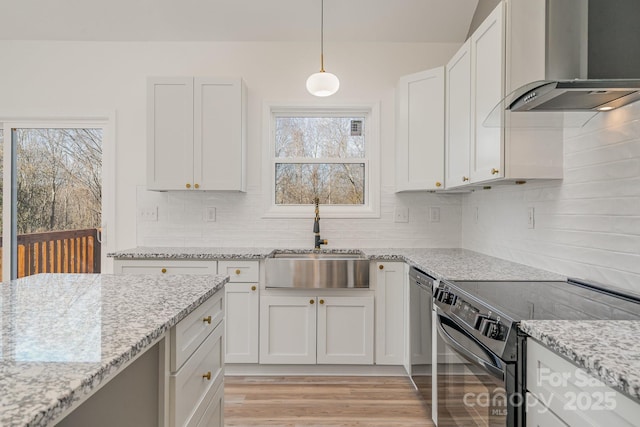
<point x="58" y="200"/>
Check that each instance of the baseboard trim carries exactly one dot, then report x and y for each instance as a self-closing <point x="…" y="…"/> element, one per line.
<point x="241" y="369"/>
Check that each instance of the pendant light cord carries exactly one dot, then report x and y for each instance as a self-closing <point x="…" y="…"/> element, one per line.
<point x="322" y="36"/>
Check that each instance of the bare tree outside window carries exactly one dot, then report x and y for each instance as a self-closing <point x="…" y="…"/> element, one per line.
<point x="319" y="157"/>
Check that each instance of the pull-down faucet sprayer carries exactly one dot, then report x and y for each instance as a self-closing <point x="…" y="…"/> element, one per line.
<point x="316" y="226"/>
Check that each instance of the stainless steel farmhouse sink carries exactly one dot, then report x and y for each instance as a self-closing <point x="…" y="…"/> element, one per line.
<point x="317" y="270"/>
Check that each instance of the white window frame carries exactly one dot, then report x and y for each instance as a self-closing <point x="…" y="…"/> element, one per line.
<point x="371" y="206"/>
<point x="104" y="121"/>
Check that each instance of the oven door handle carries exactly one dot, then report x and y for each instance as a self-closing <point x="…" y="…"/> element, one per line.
<point x="494" y="369"/>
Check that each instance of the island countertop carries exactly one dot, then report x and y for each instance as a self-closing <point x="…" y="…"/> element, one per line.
<point x="64" y="335"/>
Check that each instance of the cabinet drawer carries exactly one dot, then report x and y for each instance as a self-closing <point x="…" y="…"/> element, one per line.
<point x="212" y="410"/>
<point x="240" y="271"/>
<point x="189" y="387"/>
<point x="191" y="331"/>
<point x="576" y="397"/>
<point x="539" y="415"/>
<point x="165" y="267"/>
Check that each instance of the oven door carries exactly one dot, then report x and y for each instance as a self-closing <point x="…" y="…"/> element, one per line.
<point x="471" y="380"/>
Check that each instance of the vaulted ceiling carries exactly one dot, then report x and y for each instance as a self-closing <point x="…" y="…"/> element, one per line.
<point x="236" y="20"/>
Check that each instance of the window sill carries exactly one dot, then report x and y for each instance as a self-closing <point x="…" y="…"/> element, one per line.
<point x="307" y="211"/>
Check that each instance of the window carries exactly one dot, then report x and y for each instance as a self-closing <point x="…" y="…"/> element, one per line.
<point x="329" y="153"/>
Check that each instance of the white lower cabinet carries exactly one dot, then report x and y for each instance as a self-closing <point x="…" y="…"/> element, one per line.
<point x="196" y="366"/>
<point x="312" y="329"/>
<point x="562" y="394"/>
<point x="242" y="295"/>
<point x="243" y="302"/>
<point x="390" y="320"/>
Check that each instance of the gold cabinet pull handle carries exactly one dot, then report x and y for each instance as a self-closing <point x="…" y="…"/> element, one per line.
<point x="238" y="272"/>
<point x="381" y="267"/>
<point x="465" y="178"/>
<point x="494" y="171"/>
<point x="197" y="186"/>
<point x="321" y="301"/>
<point x="188" y="185"/>
<point x="207" y="319"/>
<point x="311" y="301"/>
<point x="253" y="288"/>
<point x="438" y="184"/>
<point x="164" y="270"/>
<point x="207" y="376"/>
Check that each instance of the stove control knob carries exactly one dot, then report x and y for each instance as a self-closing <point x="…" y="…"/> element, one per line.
<point x="491" y="328"/>
<point x="477" y="321"/>
<point x="447" y="297"/>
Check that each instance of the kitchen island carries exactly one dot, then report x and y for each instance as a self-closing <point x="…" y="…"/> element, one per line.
<point x="64" y="336"/>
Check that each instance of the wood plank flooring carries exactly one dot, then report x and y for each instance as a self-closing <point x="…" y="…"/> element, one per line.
<point x="323" y="401"/>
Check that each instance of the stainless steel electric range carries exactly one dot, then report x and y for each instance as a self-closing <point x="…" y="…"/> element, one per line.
<point x="480" y="371"/>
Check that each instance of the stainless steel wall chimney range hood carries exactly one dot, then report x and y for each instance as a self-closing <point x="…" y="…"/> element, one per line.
<point x="592" y="58"/>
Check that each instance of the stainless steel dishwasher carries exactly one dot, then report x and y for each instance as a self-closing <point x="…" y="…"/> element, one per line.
<point x="420" y="304"/>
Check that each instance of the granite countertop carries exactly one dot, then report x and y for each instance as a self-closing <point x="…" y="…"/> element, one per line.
<point x="453" y="264"/>
<point x="45" y="370"/>
<point x="606" y="349"/>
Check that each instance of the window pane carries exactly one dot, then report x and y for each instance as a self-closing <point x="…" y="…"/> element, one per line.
<point x="334" y="184"/>
<point x="319" y="137"/>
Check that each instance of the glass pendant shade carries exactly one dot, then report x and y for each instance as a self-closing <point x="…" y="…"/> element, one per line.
<point x="323" y="84"/>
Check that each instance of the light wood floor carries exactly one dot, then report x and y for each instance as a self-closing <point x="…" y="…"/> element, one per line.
<point x="323" y="401"/>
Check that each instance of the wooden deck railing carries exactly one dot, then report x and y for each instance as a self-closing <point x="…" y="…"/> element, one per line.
<point x="70" y="251"/>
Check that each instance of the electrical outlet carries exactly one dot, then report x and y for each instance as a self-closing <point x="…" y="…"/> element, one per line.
<point x="210" y="214"/>
<point x="477" y="214"/>
<point x="434" y="214"/>
<point x="401" y="215"/>
<point x="531" y="217"/>
<point x="148" y="214"/>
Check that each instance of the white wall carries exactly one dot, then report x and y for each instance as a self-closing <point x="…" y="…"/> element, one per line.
<point x="586" y="226"/>
<point x="71" y="78"/>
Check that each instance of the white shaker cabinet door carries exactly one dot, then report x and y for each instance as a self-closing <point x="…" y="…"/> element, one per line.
<point x="458" y="117"/>
<point x="487" y="70"/>
<point x="169" y="133"/>
<point x="390" y="318"/>
<point x="420" y="131"/>
<point x="288" y="330"/>
<point x="219" y="133"/>
<point x="345" y="330"/>
<point x="241" y="344"/>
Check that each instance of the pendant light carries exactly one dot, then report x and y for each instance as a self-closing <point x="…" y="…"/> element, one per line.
<point x="322" y="83"/>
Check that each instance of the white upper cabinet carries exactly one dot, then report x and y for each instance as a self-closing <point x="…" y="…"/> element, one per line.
<point x="196" y="134"/>
<point x="420" y="131"/>
<point x="487" y="90"/>
<point x="485" y="143"/>
<point x="458" y="117"/>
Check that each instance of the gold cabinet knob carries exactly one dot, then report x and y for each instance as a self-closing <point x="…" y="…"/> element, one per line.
<point x="197" y="186"/>
<point x="238" y="272"/>
<point x="253" y="288"/>
<point x="438" y="184"/>
<point x="207" y="319"/>
<point x="465" y="178"/>
<point x="311" y="301"/>
<point x="321" y="301"/>
<point x="188" y="185"/>
<point x="381" y="267"/>
<point x="207" y="376"/>
<point x="164" y="270"/>
<point x="494" y="171"/>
